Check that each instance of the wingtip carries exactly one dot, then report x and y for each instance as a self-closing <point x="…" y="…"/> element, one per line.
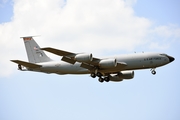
<point x="15" y="61"/>
<point x="12" y="60"/>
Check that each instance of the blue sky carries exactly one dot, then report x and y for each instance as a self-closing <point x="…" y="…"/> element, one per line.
<point x="161" y="11"/>
<point x="139" y="26"/>
<point x="8" y="7"/>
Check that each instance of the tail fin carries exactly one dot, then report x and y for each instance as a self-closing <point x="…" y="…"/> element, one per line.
<point x="34" y="53"/>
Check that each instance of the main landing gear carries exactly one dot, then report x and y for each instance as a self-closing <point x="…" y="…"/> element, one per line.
<point x="93" y="75"/>
<point x="101" y="78"/>
<point x="153" y="71"/>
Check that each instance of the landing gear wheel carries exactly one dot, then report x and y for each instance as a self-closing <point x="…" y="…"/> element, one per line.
<point x="153" y="72"/>
<point x="101" y="79"/>
<point x="99" y="74"/>
<point x="106" y="79"/>
<point x="93" y="75"/>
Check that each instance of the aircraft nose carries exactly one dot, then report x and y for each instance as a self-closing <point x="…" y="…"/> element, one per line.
<point x="170" y="58"/>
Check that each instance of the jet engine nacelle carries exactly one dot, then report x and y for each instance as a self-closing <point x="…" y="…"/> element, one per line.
<point x="122" y="75"/>
<point x="108" y="63"/>
<point x="83" y="57"/>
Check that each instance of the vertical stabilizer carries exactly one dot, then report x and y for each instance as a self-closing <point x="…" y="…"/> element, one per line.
<point x="34" y="53"/>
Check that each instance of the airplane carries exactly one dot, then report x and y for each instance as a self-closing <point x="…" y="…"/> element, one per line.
<point x="106" y="69"/>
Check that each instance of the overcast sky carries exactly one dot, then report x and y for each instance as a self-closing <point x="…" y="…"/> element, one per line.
<point x="103" y="28"/>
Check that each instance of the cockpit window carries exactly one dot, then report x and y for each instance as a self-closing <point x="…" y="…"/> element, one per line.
<point x="163" y="54"/>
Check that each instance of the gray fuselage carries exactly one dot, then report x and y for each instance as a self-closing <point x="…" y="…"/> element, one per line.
<point x="134" y="61"/>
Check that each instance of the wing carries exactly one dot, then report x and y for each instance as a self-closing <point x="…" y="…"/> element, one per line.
<point x="26" y="64"/>
<point x="59" y="52"/>
<point x="91" y="65"/>
<point x="69" y="57"/>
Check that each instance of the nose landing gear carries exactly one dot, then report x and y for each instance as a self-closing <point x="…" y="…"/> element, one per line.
<point x="153" y="71"/>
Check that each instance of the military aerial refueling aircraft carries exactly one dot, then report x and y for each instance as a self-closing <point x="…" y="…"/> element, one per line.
<point x="106" y="69"/>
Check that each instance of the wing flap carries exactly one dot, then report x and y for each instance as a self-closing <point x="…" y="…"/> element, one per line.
<point x="121" y="64"/>
<point x="26" y="64"/>
<point x="87" y="66"/>
<point x="68" y="60"/>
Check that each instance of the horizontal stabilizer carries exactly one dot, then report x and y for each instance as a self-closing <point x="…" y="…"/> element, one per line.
<point x="26" y="64"/>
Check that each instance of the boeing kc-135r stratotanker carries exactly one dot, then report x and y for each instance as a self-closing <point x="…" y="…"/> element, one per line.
<point x="106" y="69"/>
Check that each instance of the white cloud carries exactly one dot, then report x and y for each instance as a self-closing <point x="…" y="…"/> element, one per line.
<point x="168" y="31"/>
<point x="130" y="2"/>
<point x="80" y="25"/>
<point x="156" y="45"/>
<point x="162" y="37"/>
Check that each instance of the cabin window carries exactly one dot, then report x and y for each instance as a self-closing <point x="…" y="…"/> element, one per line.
<point x="163" y="54"/>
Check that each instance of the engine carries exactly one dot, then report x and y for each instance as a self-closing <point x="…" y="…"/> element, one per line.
<point x="122" y="75"/>
<point x="108" y="63"/>
<point x="83" y="57"/>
